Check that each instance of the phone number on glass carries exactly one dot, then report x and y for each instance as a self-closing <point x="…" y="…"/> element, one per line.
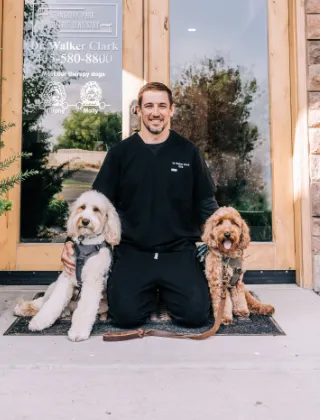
<point x="76" y="58"/>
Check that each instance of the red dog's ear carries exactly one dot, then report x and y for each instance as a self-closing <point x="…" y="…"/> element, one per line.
<point x="245" y="235"/>
<point x="207" y="236"/>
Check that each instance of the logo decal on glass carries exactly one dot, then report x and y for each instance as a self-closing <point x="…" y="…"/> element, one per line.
<point x="77" y="19"/>
<point x="54" y="95"/>
<point x="91" y="95"/>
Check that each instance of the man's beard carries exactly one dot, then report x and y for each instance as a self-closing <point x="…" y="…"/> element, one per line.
<point x="154" y="130"/>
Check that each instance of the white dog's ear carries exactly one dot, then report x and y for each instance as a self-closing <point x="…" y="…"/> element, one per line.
<point x="71" y="223"/>
<point x="207" y="235"/>
<point x="112" y="232"/>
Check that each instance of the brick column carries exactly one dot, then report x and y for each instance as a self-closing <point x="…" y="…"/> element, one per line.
<point x="313" y="45"/>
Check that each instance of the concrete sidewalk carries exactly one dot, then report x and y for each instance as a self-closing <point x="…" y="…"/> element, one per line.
<point x="238" y="378"/>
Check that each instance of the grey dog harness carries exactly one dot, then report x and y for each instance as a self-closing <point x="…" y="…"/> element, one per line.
<point x="234" y="263"/>
<point x="83" y="253"/>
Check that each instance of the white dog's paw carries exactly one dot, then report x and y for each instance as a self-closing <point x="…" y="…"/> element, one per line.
<point x="17" y="311"/>
<point x="76" y="335"/>
<point x="36" y="325"/>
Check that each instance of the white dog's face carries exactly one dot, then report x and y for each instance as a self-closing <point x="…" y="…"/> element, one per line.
<point x="92" y="214"/>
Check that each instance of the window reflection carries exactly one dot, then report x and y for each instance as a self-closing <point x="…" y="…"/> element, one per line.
<point x="72" y="95"/>
<point x="219" y="76"/>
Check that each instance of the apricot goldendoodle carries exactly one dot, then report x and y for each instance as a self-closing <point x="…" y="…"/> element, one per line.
<point x="227" y="236"/>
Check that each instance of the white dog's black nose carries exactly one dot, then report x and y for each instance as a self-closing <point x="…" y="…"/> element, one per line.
<point x="227" y="235"/>
<point x="85" y="222"/>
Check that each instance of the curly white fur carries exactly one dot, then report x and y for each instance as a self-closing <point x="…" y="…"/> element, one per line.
<point x="94" y="218"/>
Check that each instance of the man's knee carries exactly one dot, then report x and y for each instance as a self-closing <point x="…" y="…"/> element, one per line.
<point x="195" y="317"/>
<point x="126" y="314"/>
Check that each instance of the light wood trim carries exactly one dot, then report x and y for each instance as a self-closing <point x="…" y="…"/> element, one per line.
<point x="146" y="40"/>
<point x="281" y="146"/>
<point x="301" y="178"/>
<point x="42" y="257"/>
<point x="158" y="42"/>
<point x="1" y="30"/>
<point x="11" y="105"/>
<point x="259" y="256"/>
<point x="132" y="58"/>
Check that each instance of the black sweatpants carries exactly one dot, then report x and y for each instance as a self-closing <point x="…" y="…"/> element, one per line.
<point x="136" y="276"/>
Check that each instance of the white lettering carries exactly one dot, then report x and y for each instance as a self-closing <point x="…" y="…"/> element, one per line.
<point x="99" y="75"/>
<point x="78" y="74"/>
<point x="88" y="15"/>
<point x="79" y="25"/>
<point x="99" y="46"/>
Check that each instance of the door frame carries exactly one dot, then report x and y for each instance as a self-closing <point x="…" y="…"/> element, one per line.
<point x="146" y="55"/>
<point x="288" y="251"/>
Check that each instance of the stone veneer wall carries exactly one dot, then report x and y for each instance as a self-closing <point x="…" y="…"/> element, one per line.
<point x="313" y="50"/>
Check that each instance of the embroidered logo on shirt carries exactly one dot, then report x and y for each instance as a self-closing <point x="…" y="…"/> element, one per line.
<point x="179" y="165"/>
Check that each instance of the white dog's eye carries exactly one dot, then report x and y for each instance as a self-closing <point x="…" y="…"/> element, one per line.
<point x="83" y="207"/>
<point x="96" y="209"/>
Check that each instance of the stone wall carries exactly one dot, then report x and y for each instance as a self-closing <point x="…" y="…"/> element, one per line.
<point x="77" y="157"/>
<point x="313" y="48"/>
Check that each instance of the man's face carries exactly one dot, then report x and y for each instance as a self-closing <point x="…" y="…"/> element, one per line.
<point x="155" y="111"/>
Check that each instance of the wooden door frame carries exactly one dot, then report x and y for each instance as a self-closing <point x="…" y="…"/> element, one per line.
<point x="38" y="256"/>
<point x="150" y="61"/>
<point x="300" y="143"/>
<point x="291" y="249"/>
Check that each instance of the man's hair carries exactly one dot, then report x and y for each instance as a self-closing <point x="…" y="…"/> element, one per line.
<point x="154" y="86"/>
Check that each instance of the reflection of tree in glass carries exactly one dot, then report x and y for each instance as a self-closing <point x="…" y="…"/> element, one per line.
<point x="213" y="109"/>
<point x="89" y="131"/>
<point x="38" y="65"/>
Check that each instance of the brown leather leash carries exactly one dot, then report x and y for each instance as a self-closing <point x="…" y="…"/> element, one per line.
<point x="140" y="333"/>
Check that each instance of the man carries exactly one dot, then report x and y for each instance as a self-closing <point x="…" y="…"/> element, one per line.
<point x="163" y="192"/>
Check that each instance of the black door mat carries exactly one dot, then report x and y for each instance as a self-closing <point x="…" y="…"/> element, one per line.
<point x="255" y="325"/>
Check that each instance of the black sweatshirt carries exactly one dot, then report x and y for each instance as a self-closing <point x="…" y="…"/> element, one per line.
<point x="163" y="193"/>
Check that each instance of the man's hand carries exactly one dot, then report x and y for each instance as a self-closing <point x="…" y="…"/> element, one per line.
<point x="66" y="258"/>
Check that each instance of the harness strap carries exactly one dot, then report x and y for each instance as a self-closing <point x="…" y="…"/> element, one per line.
<point x="83" y="253"/>
<point x="236" y="265"/>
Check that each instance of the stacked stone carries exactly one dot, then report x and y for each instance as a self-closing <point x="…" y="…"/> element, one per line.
<point x="313" y="43"/>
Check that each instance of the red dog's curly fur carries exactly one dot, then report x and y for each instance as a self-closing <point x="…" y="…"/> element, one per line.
<point x="226" y="233"/>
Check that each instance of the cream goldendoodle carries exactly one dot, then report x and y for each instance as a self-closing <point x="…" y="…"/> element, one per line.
<point x="227" y="236"/>
<point x="94" y="226"/>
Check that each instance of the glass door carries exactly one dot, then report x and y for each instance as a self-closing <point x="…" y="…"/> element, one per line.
<point x="78" y="66"/>
<point x="227" y="62"/>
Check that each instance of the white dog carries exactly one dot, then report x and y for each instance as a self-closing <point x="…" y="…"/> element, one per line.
<point x="94" y="226"/>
